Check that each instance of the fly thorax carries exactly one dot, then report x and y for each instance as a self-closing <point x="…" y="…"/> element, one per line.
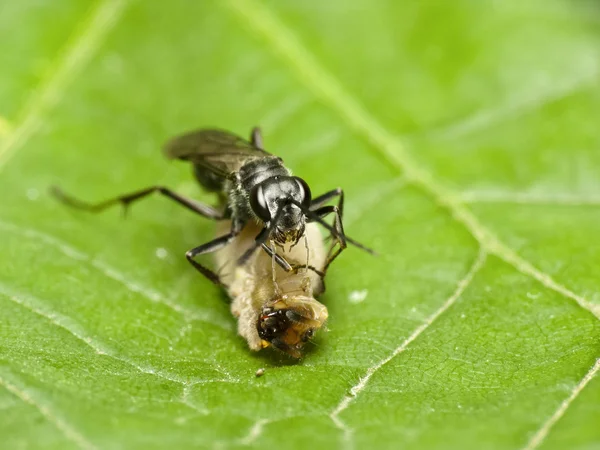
<point x="237" y="199"/>
<point x="256" y="171"/>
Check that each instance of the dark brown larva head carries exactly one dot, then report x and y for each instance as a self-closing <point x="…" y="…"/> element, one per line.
<point x="290" y="322"/>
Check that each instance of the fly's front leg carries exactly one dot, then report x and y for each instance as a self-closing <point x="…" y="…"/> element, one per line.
<point x="319" y="201"/>
<point x="338" y="233"/>
<point x="260" y="241"/>
<point x="210" y="247"/>
<point x="261" y="238"/>
<point x="317" y="211"/>
<point x="285" y="265"/>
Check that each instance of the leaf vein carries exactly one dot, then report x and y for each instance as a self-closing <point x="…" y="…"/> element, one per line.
<point x="484" y="119"/>
<point x="77" y="53"/>
<point x="254" y="432"/>
<point x="39" y="307"/>
<point x="69" y="432"/>
<point x="364" y="380"/>
<point x="328" y="88"/>
<point x="114" y="274"/>
<point x="541" y="434"/>
<point x="529" y="198"/>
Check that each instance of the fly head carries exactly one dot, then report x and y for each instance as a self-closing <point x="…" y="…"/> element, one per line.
<point x="272" y="200"/>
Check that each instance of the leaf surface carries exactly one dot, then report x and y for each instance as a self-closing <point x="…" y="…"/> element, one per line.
<point x="465" y="137"/>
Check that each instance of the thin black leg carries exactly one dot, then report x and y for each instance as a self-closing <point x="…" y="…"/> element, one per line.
<point x="320" y="201"/>
<point x="278" y="258"/>
<point x="338" y="233"/>
<point x="286" y="265"/>
<point x="260" y="241"/>
<point x="256" y="138"/>
<point x="317" y="216"/>
<point x="261" y="238"/>
<point x="327" y="196"/>
<point x="125" y="200"/>
<point x="210" y="247"/>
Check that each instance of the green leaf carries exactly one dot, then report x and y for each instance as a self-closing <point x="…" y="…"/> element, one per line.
<point x="465" y="136"/>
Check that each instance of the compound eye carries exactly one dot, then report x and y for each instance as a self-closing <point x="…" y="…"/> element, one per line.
<point x="304" y="192"/>
<point x="258" y="203"/>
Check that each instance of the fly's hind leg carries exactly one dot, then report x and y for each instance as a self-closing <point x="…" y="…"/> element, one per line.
<point x="127" y="199"/>
<point x="197" y="207"/>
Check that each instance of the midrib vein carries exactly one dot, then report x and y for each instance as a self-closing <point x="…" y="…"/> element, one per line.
<point x="325" y="86"/>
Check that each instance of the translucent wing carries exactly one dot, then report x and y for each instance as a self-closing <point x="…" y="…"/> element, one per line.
<point x="219" y="151"/>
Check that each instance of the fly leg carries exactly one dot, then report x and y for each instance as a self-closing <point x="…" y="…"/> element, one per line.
<point x="260" y="241"/>
<point x="256" y="138"/>
<point x="286" y="265"/>
<point x="338" y="232"/>
<point x="327" y="196"/>
<point x="320" y="201"/>
<point x="197" y="207"/>
<point x="210" y="247"/>
<point x="125" y="200"/>
<point x="316" y="206"/>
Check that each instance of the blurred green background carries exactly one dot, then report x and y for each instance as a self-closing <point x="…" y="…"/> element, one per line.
<point x="465" y="134"/>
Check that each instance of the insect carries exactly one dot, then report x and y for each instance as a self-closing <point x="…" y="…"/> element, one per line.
<point x="275" y="307"/>
<point x="253" y="186"/>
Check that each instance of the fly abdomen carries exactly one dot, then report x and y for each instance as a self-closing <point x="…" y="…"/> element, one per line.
<point x="209" y="180"/>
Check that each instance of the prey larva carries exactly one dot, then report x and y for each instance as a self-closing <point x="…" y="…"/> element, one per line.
<point x="275" y="307"/>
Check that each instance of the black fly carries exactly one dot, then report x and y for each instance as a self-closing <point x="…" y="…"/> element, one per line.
<point x="253" y="185"/>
